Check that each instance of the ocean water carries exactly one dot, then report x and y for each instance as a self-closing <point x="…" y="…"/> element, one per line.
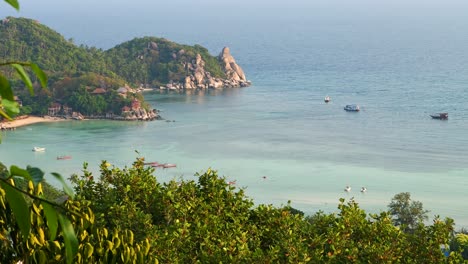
<point x="398" y="69"/>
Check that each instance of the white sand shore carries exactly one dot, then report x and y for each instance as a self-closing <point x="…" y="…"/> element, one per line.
<point x="29" y="121"/>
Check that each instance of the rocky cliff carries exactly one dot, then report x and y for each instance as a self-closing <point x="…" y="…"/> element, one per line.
<point x="200" y="78"/>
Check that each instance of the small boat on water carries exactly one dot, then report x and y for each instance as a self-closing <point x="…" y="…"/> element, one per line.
<point x="168" y="165"/>
<point x="231" y="182"/>
<point x="64" y="157"/>
<point x="441" y="116"/>
<point x="38" y="149"/>
<point x="363" y="189"/>
<point x="153" y="164"/>
<point x="327" y="99"/>
<point x="352" y="108"/>
<point x="347" y="188"/>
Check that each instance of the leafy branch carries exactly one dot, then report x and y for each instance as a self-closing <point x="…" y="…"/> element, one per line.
<point x="15" y="196"/>
<point x="8" y="105"/>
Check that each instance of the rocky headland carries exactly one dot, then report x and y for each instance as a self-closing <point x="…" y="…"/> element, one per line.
<point x="97" y="83"/>
<point x="200" y="78"/>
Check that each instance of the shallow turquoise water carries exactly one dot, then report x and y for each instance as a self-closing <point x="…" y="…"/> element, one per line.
<point x="307" y="150"/>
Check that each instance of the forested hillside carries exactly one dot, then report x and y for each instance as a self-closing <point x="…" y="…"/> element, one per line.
<point x="26" y="40"/>
<point x="147" y="60"/>
<point x="75" y="72"/>
<point x="156" y="60"/>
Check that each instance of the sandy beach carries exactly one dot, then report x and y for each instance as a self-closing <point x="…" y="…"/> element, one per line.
<point x="28" y="121"/>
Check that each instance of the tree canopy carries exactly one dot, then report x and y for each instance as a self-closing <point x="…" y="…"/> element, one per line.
<point x="147" y="60"/>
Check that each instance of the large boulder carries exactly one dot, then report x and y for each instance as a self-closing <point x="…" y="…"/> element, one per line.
<point x="188" y="84"/>
<point x="198" y="78"/>
<point x="228" y="63"/>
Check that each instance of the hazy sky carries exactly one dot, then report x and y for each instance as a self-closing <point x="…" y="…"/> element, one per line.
<point x="104" y="23"/>
<point x="184" y="9"/>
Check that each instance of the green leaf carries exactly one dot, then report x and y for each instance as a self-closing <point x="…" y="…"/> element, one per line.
<point x="36" y="174"/>
<point x="13" y="3"/>
<point x="5" y="115"/>
<point x="16" y="171"/>
<point x="52" y="220"/>
<point x="24" y="76"/>
<point x="66" y="188"/>
<point x="39" y="74"/>
<point x="11" y="107"/>
<point x="19" y="207"/>
<point x="5" y="89"/>
<point x="71" y="242"/>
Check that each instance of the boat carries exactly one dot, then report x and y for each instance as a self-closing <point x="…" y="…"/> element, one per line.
<point x="64" y="157"/>
<point x="231" y="182"/>
<point x="168" y="165"/>
<point x="153" y="163"/>
<point x="363" y="189"/>
<point x="352" y="108"/>
<point x="38" y="149"/>
<point x="327" y="99"/>
<point x="347" y="188"/>
<point x="441" y="116"/>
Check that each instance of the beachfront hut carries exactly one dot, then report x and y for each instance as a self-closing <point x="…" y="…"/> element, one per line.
<point x="54" y="109"/>
<point x="66" y="110"/>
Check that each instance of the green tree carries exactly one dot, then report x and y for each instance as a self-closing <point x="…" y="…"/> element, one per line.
<point x="405" y="212"/>
<point x="210" y="221"/>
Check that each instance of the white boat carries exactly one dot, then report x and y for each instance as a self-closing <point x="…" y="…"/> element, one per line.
<point x="363" y="189"/>
<point x="167" y="165"/>
<point x="327" y="99"/>
<point x="38" y="149"/>
<point x="347" y="189"/>
<point x="352" y="108"/>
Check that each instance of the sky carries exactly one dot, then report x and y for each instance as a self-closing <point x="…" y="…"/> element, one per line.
<point x="200" y="7"/>
<point x="106" y="23"/>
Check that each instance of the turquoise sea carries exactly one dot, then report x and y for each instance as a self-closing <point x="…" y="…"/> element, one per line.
<point x="399" y="69"/>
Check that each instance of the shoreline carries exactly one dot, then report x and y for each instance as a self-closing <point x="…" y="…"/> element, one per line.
<point x="28" y="121"/>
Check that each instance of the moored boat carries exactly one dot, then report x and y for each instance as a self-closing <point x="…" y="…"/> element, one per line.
<point x="327" y="99"/>
<point x="441" y="116"/>
<point x="168" y="165"/>
<point x="352" y="108"/>
<point x="64" y="157"/>
<point x="38" y="149"/>
<point x="153" y="163"/>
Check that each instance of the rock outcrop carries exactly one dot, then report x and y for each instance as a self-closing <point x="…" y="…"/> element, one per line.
<point x="230" y="67"/>
<point x="200" y="78"/>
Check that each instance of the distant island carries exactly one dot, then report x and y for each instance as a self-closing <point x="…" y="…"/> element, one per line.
<point x="87" y="82"/>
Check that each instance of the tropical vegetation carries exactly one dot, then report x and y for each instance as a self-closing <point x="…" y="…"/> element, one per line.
<point x="76" y="71"/>
<point x="127" y="216"/>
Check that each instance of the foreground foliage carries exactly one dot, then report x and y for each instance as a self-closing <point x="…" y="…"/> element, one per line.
<point x="47" y="243"/>
<point x="127" y="216"/>
<point x="210" y="221"/>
